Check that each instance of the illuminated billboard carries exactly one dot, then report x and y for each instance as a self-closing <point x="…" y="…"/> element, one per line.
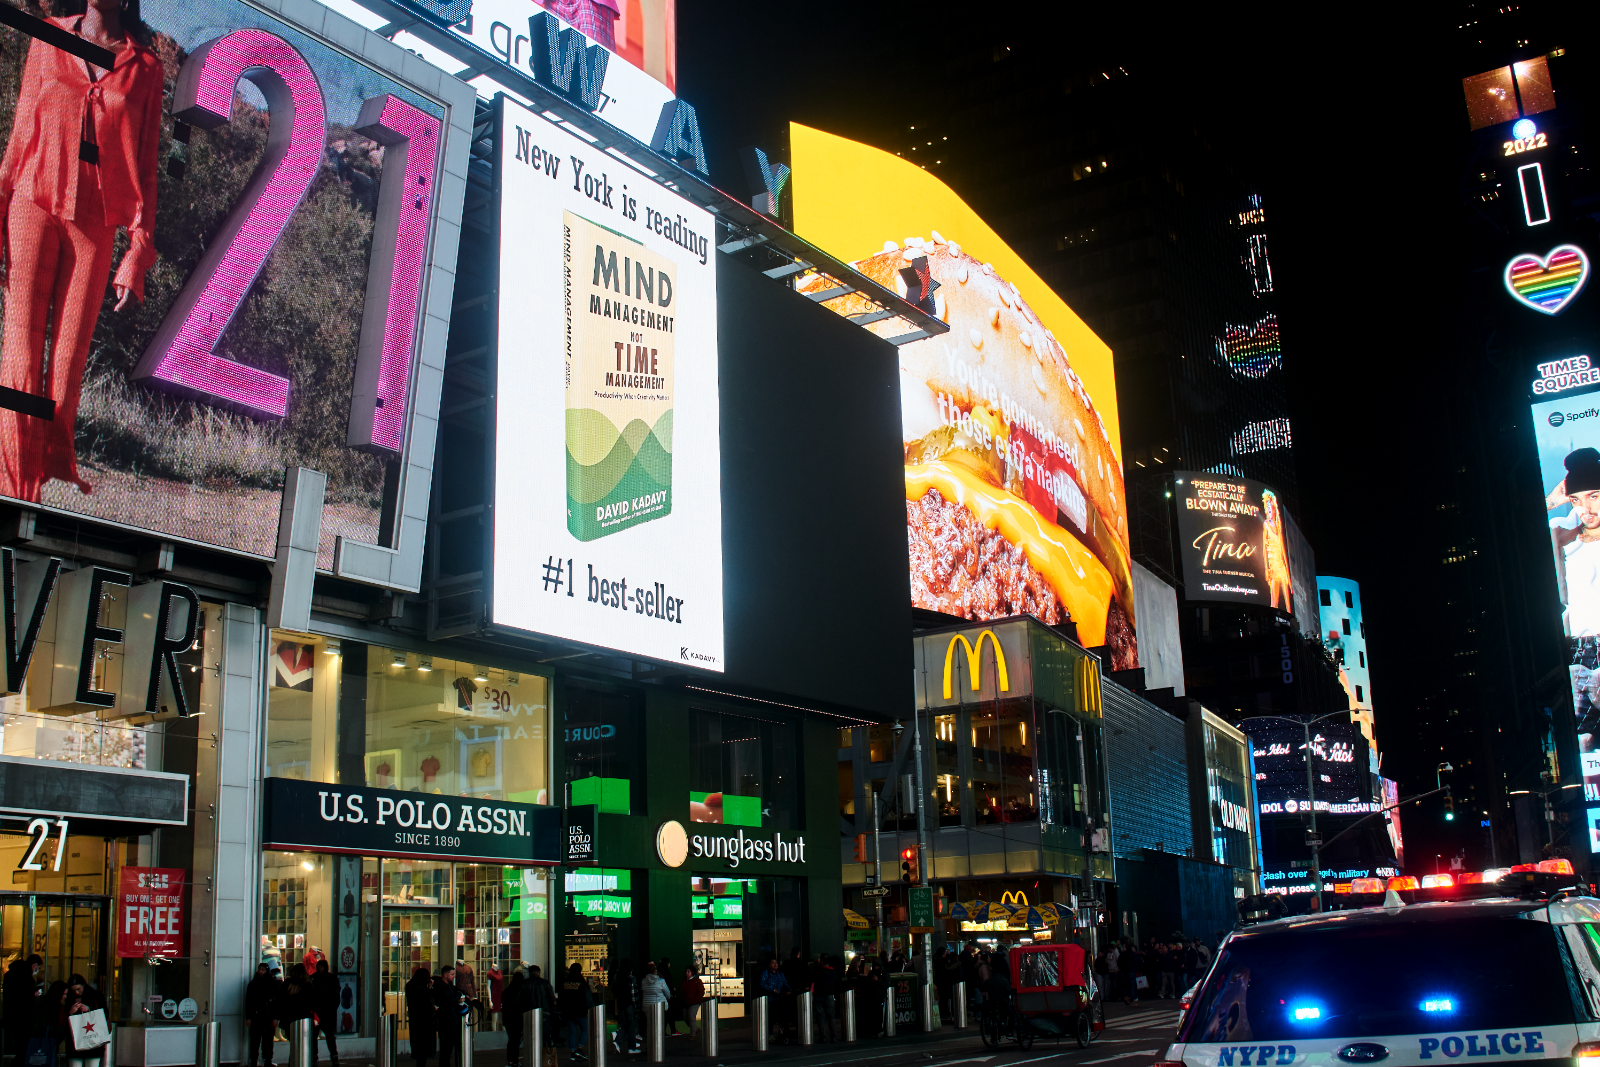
<point x="1567" y="435"/>
<point x="1233" y="536"/>
<point x="1338" y="762"/>
<point x="608" y="514"/>
<point x="1013" y="455"/>
<point x="207" y="288"/>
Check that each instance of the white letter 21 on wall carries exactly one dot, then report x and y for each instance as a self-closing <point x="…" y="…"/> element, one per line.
<point x="182" y="354"/>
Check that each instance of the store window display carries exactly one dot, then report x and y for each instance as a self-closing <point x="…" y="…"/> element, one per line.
<point x="349" y="713"/>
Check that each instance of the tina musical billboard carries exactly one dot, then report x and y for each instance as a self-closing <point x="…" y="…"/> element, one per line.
<point x="1232" y="534"/>
<point x="217" y="238"/>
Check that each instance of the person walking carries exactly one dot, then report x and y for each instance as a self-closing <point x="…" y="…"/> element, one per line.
<point x="623" y="986"/>
<point x="653" y="989"/>
<point x="325" y="1007"/>
<point x="419" y="1015"/>
<point x="825" y="997"/>
<point x="295" y="1003"/>
<point x="576" y="999"/>
<point x="20" y="1002"/>
<point x="693" y="992"/>
<point x="1168" y="957"/>
<point x="260" y="1011"/>
<point x="450" y="1006"/>
<point x="515" y="999"/>
<point x="775" y="986"/>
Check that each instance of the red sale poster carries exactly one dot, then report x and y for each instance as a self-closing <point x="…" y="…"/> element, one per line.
<point x="150" y="911"/>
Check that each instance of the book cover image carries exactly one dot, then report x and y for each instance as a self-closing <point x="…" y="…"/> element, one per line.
<point x="620" y="319"/>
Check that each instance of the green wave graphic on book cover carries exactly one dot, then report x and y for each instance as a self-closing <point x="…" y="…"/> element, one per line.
<point x="616" y="479"/>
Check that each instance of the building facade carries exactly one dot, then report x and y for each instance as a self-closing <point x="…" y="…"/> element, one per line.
<point x="1012" y="728"/>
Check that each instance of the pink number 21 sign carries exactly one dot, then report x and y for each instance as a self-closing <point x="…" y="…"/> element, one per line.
<point x="182" y="355"/>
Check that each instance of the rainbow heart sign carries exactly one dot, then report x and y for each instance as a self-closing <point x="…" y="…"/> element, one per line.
<point x="1551" y="283"/>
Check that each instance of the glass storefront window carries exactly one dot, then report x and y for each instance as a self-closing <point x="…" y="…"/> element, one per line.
<point x="346" y="712"/>
<point x="38" y="725"/>
<point x="946" y="769"/>
<point x="604" y="735"/>
<point x="357" y="713"/>
<point x="744" y="770"/>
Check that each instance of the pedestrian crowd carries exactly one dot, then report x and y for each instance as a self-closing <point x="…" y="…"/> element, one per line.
<point x="1158" y="970"/>
<point x="38" y="1018"/>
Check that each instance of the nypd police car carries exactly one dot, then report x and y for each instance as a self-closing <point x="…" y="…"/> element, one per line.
<point x="1503" y="980"/>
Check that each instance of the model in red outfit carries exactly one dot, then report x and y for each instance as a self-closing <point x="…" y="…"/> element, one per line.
<point x="59" y="214"/>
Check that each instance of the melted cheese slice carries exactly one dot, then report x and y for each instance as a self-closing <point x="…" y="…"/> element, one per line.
<point x="1079" y="579"/>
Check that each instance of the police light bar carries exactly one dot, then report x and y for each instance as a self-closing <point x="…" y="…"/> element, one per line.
<point x="1437" y="881"/>
<point x="1403" y="882"/>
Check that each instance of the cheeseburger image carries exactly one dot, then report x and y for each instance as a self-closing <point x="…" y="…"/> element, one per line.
<point x="1014" y="498"/>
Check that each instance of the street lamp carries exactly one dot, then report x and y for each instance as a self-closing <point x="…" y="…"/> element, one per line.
<point x="1544" y="799"/>
<point x="1313" y="838"/>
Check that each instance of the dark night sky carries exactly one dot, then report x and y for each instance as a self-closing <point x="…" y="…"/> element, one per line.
<point x="1351" y="125"/>
<point x="1350" y="120"/>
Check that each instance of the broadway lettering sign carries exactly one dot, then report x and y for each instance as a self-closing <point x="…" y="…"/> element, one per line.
<point x="317" y="817"/>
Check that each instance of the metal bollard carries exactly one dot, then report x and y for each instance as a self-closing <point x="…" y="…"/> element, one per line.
<point x="532" y="1036"/>
<point x="847" y="1004"/>
<point x="108" y="1051"/>
<point x="597" y="1036"/>
<point x="927" y="1006"/>
<point x="655" y="1032"/>
<point x="888" y="1011"/>
<point x="211" y="1045"/>
<point x="958" y="1001"/>
<point x="389" y="1041"/>
<point x="710" y="1040"/>
<point x="803" y="1017"/>
<point x="758" y="1022"/>
<point x="466" y="1041"/>
<point x="300" y="1038"/>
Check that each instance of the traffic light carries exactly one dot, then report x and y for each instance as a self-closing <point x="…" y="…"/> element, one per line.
<point x="1449" y="807"/>
<point x="861" y="848"/>
<point x="908" y="865"/>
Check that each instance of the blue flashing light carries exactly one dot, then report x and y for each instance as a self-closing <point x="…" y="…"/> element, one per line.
<point x="1522" y="129"/>
<point x="1307" y="1013"/>
<point x="1439" y="1004"/>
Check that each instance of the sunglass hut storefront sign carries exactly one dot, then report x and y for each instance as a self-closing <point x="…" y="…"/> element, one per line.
<point x="740" y="848"/>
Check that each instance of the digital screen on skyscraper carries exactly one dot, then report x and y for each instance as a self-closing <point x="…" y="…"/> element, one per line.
<point x="228" y="278"/>
<point x="1013" y="454"/>
<point x="1338" y="766"/>
<point x="1567" y="435"/>
<point x="1233" y="536"/>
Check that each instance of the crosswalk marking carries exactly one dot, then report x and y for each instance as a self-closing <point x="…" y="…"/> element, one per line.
<point x="1120" y="1056"/>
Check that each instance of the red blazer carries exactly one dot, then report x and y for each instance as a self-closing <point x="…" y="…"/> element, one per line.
<point x="125" y="106"/>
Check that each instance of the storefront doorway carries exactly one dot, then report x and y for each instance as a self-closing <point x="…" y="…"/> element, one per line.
<point x="411" y="937"/>
<point x="69" y="932"/>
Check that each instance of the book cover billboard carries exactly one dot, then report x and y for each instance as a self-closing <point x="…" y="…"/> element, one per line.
<point x="608" y="512"/>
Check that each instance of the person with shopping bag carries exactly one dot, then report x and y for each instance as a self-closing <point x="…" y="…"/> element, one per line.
<point x="82" y="1019"/>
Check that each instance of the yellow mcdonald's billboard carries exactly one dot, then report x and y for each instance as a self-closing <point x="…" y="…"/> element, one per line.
<point x="1015" y="897"/>
<point x="975" y="661"/>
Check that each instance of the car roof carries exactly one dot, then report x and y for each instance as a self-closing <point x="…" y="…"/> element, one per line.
<point x="1564" y="910"/>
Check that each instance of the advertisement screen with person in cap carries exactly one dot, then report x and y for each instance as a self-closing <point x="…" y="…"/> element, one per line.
<point x="1567" y="431"/>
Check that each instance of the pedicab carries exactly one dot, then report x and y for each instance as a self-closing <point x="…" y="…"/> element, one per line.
<point x="1053" y="996"/>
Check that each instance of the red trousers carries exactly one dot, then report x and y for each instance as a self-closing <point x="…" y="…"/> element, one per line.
<point x="55" y="287"/>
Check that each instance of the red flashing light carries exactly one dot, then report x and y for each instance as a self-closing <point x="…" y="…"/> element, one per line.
<point x="1405" y="881"/>
<point x="1524" y="867"/>
<point x="1366" y="885"/>
<point x="1470" y="878"/>
<point x="1555" y="866"/>
<point x="1437" y="881"/>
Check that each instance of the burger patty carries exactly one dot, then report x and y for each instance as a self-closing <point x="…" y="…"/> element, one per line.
<point x="961" y="567"/>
